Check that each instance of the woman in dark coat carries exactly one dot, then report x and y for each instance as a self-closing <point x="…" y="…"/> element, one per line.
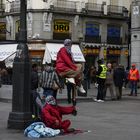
<point x="119" y="76"/>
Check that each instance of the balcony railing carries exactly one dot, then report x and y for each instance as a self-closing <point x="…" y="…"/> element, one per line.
<point x="2" y="7"/>
<point x="93" y="7"/>
<point x="64" y="6"/>
<point x="15" y="6"/>
<point x="117" y="10"/>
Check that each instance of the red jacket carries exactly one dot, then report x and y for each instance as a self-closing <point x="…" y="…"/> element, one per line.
<point x="50" y="114"/>
<point x="64" y="61"/>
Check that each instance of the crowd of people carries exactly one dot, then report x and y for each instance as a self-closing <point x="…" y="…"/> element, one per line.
<point x="51" y="78"/>
<point x="115" y="78"/>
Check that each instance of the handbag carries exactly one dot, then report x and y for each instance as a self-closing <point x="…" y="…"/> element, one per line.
<point x="55" y="86"/>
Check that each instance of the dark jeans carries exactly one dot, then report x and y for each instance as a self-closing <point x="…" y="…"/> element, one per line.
<point x="33" y="105"/>
<point x="101" y="88"/>
<point x="88" y="81"/>
<point x="50" y="91"/>
<point x="133" y="87"/>
<point x="70" y="89"/>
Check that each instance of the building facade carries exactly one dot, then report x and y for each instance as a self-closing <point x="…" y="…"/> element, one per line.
<point x="100" y="27"/>
<point x="135" y="33"/>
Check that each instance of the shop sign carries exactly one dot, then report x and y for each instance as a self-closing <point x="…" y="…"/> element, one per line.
<point x="114" y="52"/>
<point x="135" y="10"/>
<point x="126" y="52"/>
<point x="91" y="51"/>
<point x="61" y="26"/>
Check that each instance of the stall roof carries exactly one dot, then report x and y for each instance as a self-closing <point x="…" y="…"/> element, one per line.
<point x="52" y="49"/>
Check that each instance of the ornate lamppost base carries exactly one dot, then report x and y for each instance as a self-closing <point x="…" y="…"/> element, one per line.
<point x="19" y="120"/>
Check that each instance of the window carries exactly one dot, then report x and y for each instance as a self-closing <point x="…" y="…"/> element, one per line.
<point x="92" y="32"/>
<point x="113" y="34"/>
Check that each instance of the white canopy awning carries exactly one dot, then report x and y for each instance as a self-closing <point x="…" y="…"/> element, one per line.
<point x="6" y="50"/>
<point x="52" y="49"/>
<point x="7" y="53"/>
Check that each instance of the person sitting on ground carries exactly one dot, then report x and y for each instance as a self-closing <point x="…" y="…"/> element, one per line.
<point x="66" y="67"/>
<point x="51" y="115"/>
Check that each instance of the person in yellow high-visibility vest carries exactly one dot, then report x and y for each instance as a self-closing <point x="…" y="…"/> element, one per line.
<point x="101" y="77"/>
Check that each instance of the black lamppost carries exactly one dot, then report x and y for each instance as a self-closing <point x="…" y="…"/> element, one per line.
<point x="20" y="116"/>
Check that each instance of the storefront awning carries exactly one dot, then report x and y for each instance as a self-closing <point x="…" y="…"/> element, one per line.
<point x="7" y="53"/>
<point x="52" y="49"/>
<point x="6" y="50"/>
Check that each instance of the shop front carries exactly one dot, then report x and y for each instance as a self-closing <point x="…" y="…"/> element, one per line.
<point x="113" y="55"/>
<point x="42" y="51"/>
<point x="91" y="54"/>
<point x="36" y="51"/>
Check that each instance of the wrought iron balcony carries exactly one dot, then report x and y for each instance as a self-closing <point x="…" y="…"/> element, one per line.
<point x="64" y="6"/>
<point x="2" y="8"/>
<point x="93" y="8"/>
<point x="15" y="6"/>
<point x="114" y="10"/>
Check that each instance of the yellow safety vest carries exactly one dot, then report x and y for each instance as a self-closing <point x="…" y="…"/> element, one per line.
<point x="103" y="73"/>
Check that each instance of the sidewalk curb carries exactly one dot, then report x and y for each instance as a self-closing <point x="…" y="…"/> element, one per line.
<point x="60" y="100"/>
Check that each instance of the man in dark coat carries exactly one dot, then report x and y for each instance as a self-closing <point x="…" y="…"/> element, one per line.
<point x="119" y="75"/>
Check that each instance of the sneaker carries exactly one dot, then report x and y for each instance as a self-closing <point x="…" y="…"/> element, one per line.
<point x="81" y="89"/>
<point x="96" y="85"/>
<point x="71" y="80"/>
<point x="100" y="101"/>
<point x="95" y="100"/>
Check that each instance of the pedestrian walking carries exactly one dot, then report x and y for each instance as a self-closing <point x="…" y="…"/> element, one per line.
<point x="101" y="77"/>
<point x="133" y="77"/>
<point x="109" y="82"/>
<point x="119" y="75"/>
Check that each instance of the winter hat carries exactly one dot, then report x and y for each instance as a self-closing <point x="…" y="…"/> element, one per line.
<point x="67" y="42"/>
<point x="133" y="65"/>
<point x="50" y="100"/>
